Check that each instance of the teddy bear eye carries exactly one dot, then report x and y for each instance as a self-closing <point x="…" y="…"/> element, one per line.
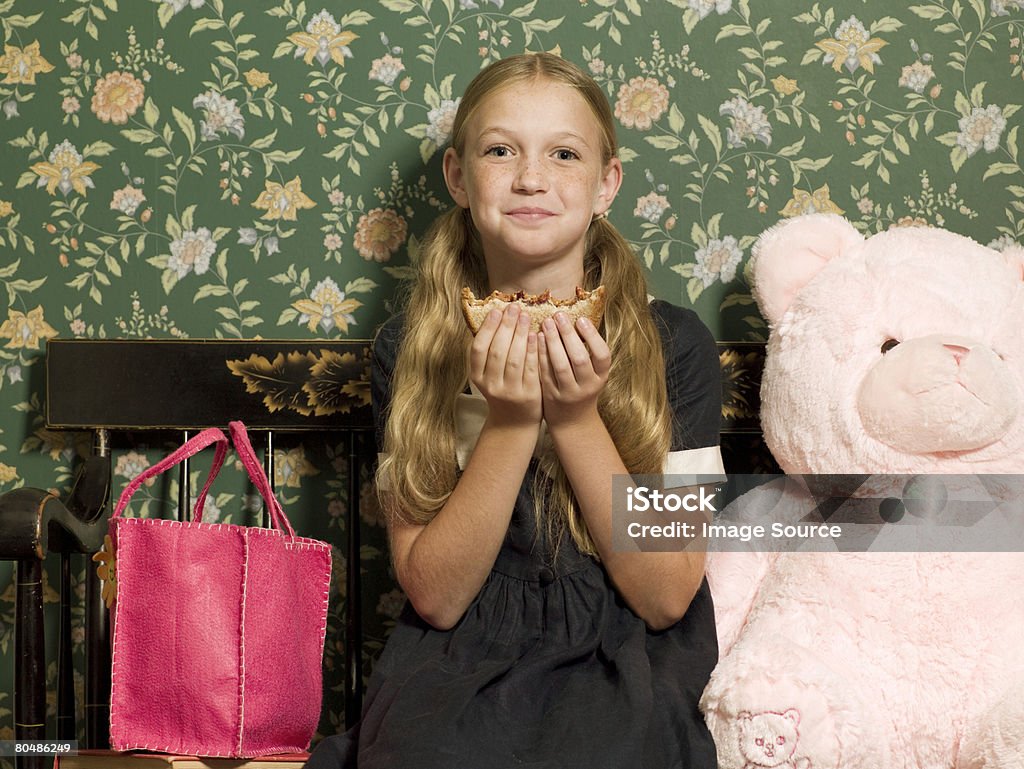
<point x="888" y="344"/>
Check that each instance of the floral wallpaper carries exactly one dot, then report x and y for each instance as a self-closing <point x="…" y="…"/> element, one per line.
<point x="217" y="168"/>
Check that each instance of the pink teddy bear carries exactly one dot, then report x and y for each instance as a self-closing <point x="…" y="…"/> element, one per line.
<point x="899" y="353"/>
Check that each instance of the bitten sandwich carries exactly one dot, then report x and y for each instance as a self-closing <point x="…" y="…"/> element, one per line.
<point x="586" y="304"/>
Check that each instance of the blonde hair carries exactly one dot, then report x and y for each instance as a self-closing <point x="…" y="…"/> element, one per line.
<point x="419" y="467"/>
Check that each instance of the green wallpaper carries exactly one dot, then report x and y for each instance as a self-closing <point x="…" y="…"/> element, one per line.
<point x="199" y="168"/>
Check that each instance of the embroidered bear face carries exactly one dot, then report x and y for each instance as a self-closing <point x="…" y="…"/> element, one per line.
<point x="769" y="739"/>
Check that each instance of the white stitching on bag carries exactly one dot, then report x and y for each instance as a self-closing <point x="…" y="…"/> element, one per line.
<point x="113" y="646"/>
<point x="292" y="543"/>
<point x="241" y="638"/>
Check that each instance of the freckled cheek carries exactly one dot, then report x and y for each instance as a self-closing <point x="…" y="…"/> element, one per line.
<point x="489" y="177"/>
<point x="485" y="184"/>
<point x="582" y="181"/>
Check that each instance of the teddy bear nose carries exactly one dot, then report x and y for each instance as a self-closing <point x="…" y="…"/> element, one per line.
<point x="958" y="351"/>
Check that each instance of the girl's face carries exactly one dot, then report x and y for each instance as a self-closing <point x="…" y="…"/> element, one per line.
<point x="532" y="175"/>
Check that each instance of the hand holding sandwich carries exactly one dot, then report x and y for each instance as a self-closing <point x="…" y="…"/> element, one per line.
<point x="531" y="350"/>
<point x="503" y="364"/>
<point x="574" y="365"/>
<point x="521" y="335"/>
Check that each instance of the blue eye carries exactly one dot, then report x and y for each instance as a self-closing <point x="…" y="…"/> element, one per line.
<point x="497" y="151"/>
<point x="566" y="155"/>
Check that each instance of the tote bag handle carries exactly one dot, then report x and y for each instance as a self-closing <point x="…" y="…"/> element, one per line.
<point x="196" y="444"/>
<point x="190" y="448"/>
<point x="252" y="466"/>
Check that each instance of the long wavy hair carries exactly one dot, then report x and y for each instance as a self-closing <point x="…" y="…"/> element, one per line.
<point x="419" y="466"/>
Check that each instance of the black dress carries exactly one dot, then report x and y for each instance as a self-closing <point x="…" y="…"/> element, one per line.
<point x="548" y="668"/>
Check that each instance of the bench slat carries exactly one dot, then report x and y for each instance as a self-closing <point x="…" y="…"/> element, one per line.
<point x="144" y="384"/>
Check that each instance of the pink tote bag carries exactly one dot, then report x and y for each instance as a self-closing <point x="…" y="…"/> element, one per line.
<point x="218" y="629"/>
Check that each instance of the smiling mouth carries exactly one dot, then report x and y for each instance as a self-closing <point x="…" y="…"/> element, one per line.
<point x="530" y="214"/>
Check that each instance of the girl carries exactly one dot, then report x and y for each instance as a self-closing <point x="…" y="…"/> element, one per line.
<point x="527" y="639"/>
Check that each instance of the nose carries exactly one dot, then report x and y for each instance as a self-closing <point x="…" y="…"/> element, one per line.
<point x="530" y="176"/>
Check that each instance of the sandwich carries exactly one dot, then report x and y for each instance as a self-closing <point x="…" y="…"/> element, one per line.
<point x="586" y="304"/>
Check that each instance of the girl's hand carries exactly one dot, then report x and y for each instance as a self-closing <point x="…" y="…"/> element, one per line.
<point x="574" y="364"/>
<point x="503" y="364"/>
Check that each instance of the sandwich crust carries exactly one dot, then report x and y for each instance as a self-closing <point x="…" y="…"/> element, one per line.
<point x="586" y="304"/>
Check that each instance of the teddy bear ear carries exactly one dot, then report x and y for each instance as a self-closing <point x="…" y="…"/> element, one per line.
<point x="1014" y="256"/>
<point x="788" y="255"/>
